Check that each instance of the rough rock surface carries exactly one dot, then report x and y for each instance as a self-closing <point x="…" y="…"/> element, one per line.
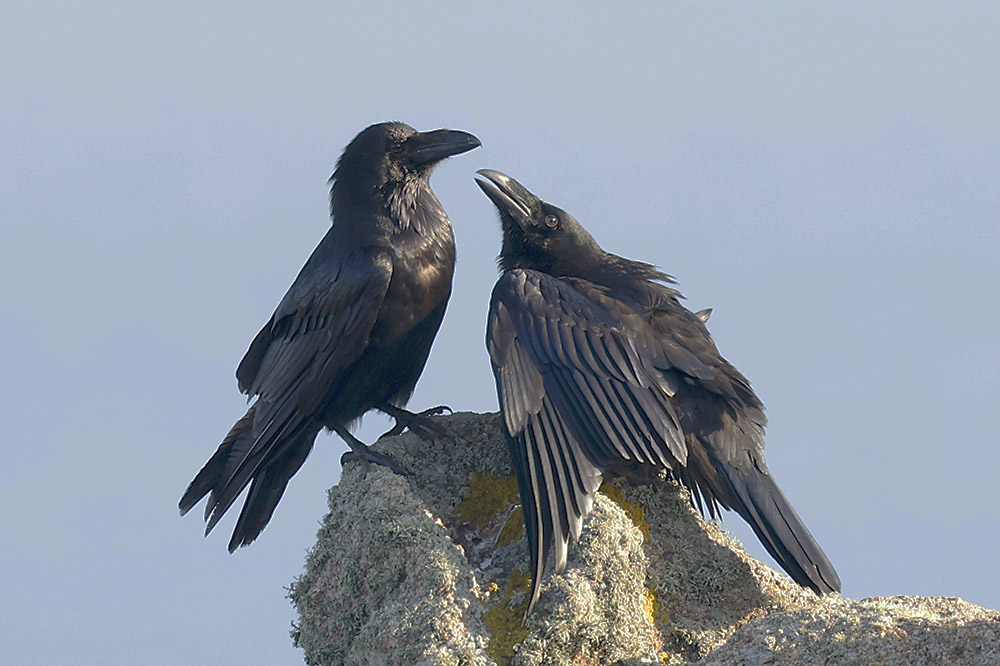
<point x="431" y="570"/>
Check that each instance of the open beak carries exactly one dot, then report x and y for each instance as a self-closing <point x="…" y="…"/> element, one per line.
<point x="509" y="196"/>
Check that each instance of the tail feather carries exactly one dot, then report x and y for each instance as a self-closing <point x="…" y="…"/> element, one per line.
<point x="264" y="462"/>
<point x="759" y="500"/>
<point x="207" y="480"/>
<point x="266" y="490"/>
<point x="253" y="450"/>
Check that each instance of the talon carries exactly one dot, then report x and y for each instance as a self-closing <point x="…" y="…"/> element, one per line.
<point x="394" y="431"/>
<point x="366" y="455"/>
<point x="361" y="452"/>
<point x="418" y="423"/>
<point x="440" y="410"/>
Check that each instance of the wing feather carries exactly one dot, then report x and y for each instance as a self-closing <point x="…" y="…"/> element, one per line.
<point x="577" y="393"/>
<point x="320" y="326"/>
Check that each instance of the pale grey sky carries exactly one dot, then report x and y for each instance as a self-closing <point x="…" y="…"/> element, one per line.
<point x="825" y="178"/>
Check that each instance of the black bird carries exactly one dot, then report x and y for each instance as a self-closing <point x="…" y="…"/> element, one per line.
<point x="599" y="368"/>
<point x="354" y="330"/>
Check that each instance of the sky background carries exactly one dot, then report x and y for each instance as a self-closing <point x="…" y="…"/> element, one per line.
<point x="827" y="178"/>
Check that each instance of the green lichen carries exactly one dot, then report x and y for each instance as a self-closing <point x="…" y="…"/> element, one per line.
<point x="488" y="495"/>
<point x="503" y="619"/>
<point x="633" y="510"/>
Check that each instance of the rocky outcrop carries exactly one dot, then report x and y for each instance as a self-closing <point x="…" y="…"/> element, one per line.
<point x="431" y="569"/>
<point x="889" y="631"/>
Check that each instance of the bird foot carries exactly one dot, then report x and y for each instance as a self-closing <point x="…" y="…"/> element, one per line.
<point x="419" y="423"/>
<point x="367" y="455"/>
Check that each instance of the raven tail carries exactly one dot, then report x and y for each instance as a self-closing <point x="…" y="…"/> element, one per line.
<point x="243" y="460"/>
<point x="760" y="502"/>
<point x="210" y="478"/>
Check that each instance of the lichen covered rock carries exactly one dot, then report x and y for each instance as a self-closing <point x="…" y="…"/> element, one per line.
<point x="386" y="586"/>
<point x="431" y="569"/>
<point x="889" y="631"/>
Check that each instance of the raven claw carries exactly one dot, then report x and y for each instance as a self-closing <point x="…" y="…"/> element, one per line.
<point x="419" y="423"/>
<point x="366" y="455"/>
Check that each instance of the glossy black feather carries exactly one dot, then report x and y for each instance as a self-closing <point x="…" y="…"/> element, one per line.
<point x="598" y="366"/>
<point x="353" y="331"/>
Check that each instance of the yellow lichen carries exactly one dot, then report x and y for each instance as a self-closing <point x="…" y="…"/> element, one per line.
<point x="657" y="612"/>
<point x="512" y="529"/>
<point x="503" y="621"/>
<point x="631" y="509"/>
<point x="649" y="602"/>
<point x="658" y="616"/>
<point x="488" y="494"/>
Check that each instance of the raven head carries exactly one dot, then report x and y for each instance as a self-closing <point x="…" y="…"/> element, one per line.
<point x="536" y="234"/>
<point x="393" y="154"/>
<point x="392" y="150"/>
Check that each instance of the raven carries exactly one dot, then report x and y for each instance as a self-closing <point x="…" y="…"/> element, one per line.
<point x="599" y="368"/>
<point x="353" y="331"/>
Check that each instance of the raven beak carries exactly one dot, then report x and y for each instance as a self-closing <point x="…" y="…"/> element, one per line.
<point x="509" y="196"/>
<point x="430" y="147"/>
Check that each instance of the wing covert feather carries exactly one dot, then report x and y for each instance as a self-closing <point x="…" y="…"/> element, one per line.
<point x="576" y="393"/>
<point x="298" y="352"/>
<point x="312" y="337"/>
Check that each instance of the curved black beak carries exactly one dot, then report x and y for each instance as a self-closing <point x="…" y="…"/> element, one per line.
<point x="430" y="147"/>
<point x="510" y="197"/>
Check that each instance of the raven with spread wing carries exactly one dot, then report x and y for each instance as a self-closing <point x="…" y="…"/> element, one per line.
<point x="599" y="368"/>
<point x="354" y="330"/>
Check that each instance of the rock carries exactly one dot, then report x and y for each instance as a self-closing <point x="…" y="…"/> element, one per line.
<point x="890" y="631"/>
<point x="431" y="569"/>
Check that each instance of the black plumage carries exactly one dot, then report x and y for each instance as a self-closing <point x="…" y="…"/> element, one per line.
<point x="599" y="368"/>
<point x="353" y="331"/>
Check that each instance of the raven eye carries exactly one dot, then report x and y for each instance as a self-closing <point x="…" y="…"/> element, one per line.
<point x="551" y="221"/>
